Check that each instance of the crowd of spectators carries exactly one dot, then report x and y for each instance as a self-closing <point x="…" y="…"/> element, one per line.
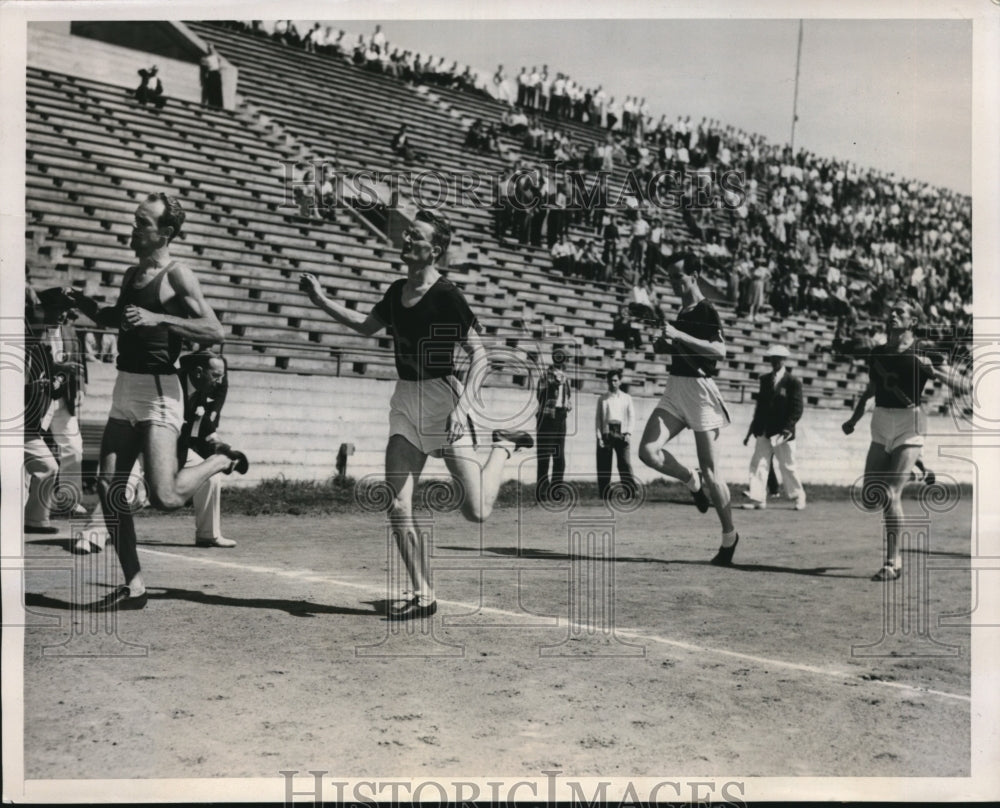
<point x="372" y="52"/>
<point x="805" y="234"/>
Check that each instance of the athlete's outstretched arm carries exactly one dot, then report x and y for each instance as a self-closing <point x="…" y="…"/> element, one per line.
<point x="197" y="322"/>
<point x="949" y="376"/>
<point x="367" y="326"/>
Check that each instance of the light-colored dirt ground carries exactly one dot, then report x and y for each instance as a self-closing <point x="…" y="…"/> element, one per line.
<point x="274" y="655"/>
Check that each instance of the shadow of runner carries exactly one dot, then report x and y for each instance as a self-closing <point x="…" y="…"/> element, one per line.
<point x="529" y="552"/>
<point x="295" y="608"/>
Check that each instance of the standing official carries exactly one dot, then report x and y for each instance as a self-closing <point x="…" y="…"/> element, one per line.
<point x="69" y="370"/>
<point x="614" y="423"/>
<point x="778" y="410"/>
<point x="40" y="466"/>
<point x="554" y="396"/>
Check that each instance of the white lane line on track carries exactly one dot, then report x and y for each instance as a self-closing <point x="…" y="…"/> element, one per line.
<point x="311" y="577"/>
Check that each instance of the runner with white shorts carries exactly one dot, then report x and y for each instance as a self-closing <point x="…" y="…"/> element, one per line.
<point x="897" y="373"/>
<point x="161" y="304"/>
<point x="429" y="413"/>
<point x="692" y="400"/>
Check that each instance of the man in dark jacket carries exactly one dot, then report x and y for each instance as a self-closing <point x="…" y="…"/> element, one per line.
<point x="40" y="465"/>
<point x="779" y="408"/>
<point x="554" y="395"/>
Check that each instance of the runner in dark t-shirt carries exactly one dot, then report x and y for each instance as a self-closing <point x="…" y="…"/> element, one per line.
<point x="702" y="322"/>
<point x="430" y="409"/>
<point x="692" y="400"/>
<point x="897" y="374"/>
<point x="425" y="335"/>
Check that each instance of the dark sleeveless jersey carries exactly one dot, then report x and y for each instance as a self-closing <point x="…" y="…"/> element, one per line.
<point x="425" y="334"/>
<point x="898" y="378"/>
<point x="702" y="322"/>
<point x="147" y="349"/>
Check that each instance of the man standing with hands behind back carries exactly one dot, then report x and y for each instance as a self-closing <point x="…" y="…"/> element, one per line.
<point x="779" y="408"/>
<point x="615" y="420"/>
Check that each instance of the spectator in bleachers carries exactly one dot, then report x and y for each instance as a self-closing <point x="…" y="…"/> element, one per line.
<point x="613" y="114"/>
<point x="558" y="218"/>
<point x="359" y="52"/>
<point x="544" y="94"/>
<point x="638" y="243"/>
<point x="609" y="254"/>
<point x="401" y="145"/>
<point x="211" y="78"/>
<point x="522" y="87"/>
<point x="589" y="261"/>
<point x="563" y="256"/>
<point x="758" y="288"/>
<point x="286" y="33"/>
<point x="518" y="122"/>
<point x="623" y="327"/>
<point x="474" y="135"/>
<point x="378" y="39"/>
<point x="150" y="89"/>
<point x="313" y="39"/>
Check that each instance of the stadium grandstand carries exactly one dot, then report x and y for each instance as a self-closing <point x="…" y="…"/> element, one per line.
<point x="248" y="172"/>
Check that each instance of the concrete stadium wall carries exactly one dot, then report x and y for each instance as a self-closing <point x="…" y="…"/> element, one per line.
<point x="293" y="426"/>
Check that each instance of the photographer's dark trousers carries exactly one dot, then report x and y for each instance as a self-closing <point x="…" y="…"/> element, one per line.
<point x="617" y="446"/>
<point x="551" y="445"/>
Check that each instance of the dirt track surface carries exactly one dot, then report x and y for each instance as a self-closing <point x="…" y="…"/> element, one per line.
<point x="274" y="655"/>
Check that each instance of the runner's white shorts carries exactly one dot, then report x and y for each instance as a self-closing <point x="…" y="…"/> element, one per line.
<point x="147" y="398"/>
<point x="898" y="426"/>
<point x="696" y="401"/>
<point x="419" y="411"/>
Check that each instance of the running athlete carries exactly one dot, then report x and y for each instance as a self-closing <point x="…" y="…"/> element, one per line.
<point x="161" y="304"/>
<point x="429" y="411"/>
<point x="692" y="400"/>
<point x="897" y="373"/>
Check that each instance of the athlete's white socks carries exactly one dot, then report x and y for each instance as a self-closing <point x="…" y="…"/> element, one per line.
<point x="695" y="482"/>
<point x="729" y="539"/>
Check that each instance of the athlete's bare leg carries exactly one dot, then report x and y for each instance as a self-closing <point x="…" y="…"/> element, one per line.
<point x="169" y="488"/>
<point x="661" y="428"/>
<point x="886" y="474"/>
<point x="120" y="447"/>
<point x="718" y="490"/>
<point x="480" y="482"/>
<point x="403" y="464"/>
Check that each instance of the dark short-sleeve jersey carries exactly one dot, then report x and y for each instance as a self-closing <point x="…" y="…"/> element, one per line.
<point x="702" y="322"/>
<point x="898" y="378"/>
<point x="425" y="334"/>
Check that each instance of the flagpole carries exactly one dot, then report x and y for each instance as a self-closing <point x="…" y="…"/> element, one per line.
<point x="795" y="102"/>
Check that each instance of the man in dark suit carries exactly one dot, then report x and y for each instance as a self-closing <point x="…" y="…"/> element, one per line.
<point x="779" y="408"/>
<point x="554" y="396"/>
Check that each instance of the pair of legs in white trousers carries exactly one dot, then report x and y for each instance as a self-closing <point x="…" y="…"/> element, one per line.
<point x="66" y="433"/>
<point x="760" y="464"/>
<point x="41" y="469"/>
<point x="207" y="501"/>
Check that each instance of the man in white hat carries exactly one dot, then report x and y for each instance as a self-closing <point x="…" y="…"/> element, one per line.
<point x="779" y="407"/>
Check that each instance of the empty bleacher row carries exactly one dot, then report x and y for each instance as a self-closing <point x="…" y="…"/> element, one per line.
<point x="92" y="154"/>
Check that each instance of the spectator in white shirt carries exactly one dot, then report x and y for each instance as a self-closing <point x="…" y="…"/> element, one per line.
<point x="614" y="421"/>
